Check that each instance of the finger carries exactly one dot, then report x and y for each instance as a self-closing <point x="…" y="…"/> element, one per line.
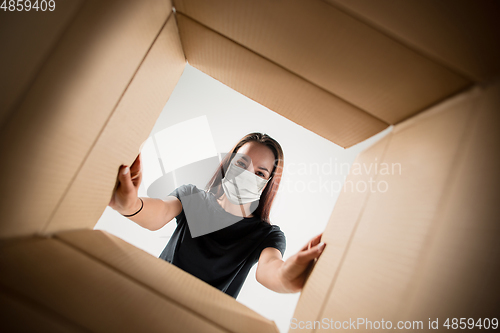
<point x="136" y="171"/>
<point x="306" y="247"/>
<point x="308" y="255"/>
<point x="125" y="179"/>
<point x="136" y="167"/>
<point x="314" y="241"/>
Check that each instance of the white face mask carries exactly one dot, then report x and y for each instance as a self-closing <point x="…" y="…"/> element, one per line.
<point x="242" y="186"/>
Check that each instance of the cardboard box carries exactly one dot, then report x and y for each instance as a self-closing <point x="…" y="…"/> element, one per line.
<point x="427" y="247"/>
<point x="95" y="75"/>
<point x="93" y="281"/>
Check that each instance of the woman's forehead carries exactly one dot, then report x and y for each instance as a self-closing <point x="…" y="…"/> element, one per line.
<point x="257" y="152"/>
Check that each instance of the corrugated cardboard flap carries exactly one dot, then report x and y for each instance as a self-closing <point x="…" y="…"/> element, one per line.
<point x="48" y="138"/>
<point x="92" y="280"/>
<point x="426" y="244"/>
<point x="275" y="87"/>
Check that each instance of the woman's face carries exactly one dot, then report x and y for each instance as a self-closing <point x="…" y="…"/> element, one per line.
<point x="256" y="158"/>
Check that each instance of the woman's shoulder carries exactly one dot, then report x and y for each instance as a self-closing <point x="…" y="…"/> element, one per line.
<point x="190" y="188"/>
<point x="272" y="229"/>
<point x="275" y="238"/>
<point x="185" y="190"/>
<point x="276" y="230"/>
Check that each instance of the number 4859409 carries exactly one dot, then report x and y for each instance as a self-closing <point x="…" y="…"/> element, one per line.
<point x="470" y="323"/>
<point x="27" y="5"/>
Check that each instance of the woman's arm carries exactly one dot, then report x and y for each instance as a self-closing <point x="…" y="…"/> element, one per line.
<point x="287" y="276"/>
<point x="155" y="213"/>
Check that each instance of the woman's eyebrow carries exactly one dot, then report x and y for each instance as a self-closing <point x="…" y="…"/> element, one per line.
<point x="262" y="168"/>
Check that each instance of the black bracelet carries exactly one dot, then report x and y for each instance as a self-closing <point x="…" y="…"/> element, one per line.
<point x="142" y="205"/>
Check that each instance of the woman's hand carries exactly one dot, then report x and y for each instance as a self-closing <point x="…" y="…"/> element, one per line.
<point x="293" y="273"/>
<point x="125" y="199"/>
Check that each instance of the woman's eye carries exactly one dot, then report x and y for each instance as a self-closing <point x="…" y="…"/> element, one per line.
<point x="241" y="164"/>
<point x="261" y="175"/>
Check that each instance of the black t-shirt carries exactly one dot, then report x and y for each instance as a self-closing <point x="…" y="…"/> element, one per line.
<point x="221" y="258"/>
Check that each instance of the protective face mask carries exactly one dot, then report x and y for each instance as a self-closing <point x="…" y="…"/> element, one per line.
<point x="242" y="186"/>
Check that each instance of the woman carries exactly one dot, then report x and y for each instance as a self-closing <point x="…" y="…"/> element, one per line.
<point x="224" y="230"/>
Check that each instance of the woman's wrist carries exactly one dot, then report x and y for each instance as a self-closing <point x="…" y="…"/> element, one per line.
<point x="134" y="209"/>
<point x="287" y="286"/>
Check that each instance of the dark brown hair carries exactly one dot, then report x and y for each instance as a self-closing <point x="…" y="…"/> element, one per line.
<point x="267" y="197"/>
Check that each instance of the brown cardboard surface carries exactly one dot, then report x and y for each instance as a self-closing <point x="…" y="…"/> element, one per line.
<point x="337" y="235"/>
<point x="181" y="288"/>
<point x="48" y="137"/>
<point x="26" y="39"/>
<point x="89" y="293"/>
<point x="17" y="309"/>
<point x="275" y="87"/>
<point x="458" y="274"/>
<point x="332" y="50"/>
<point x="427" y="246"/>
<point x="383" y="255"/>
<point x="121" y="137"/>
<point x="463" y="35"/>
